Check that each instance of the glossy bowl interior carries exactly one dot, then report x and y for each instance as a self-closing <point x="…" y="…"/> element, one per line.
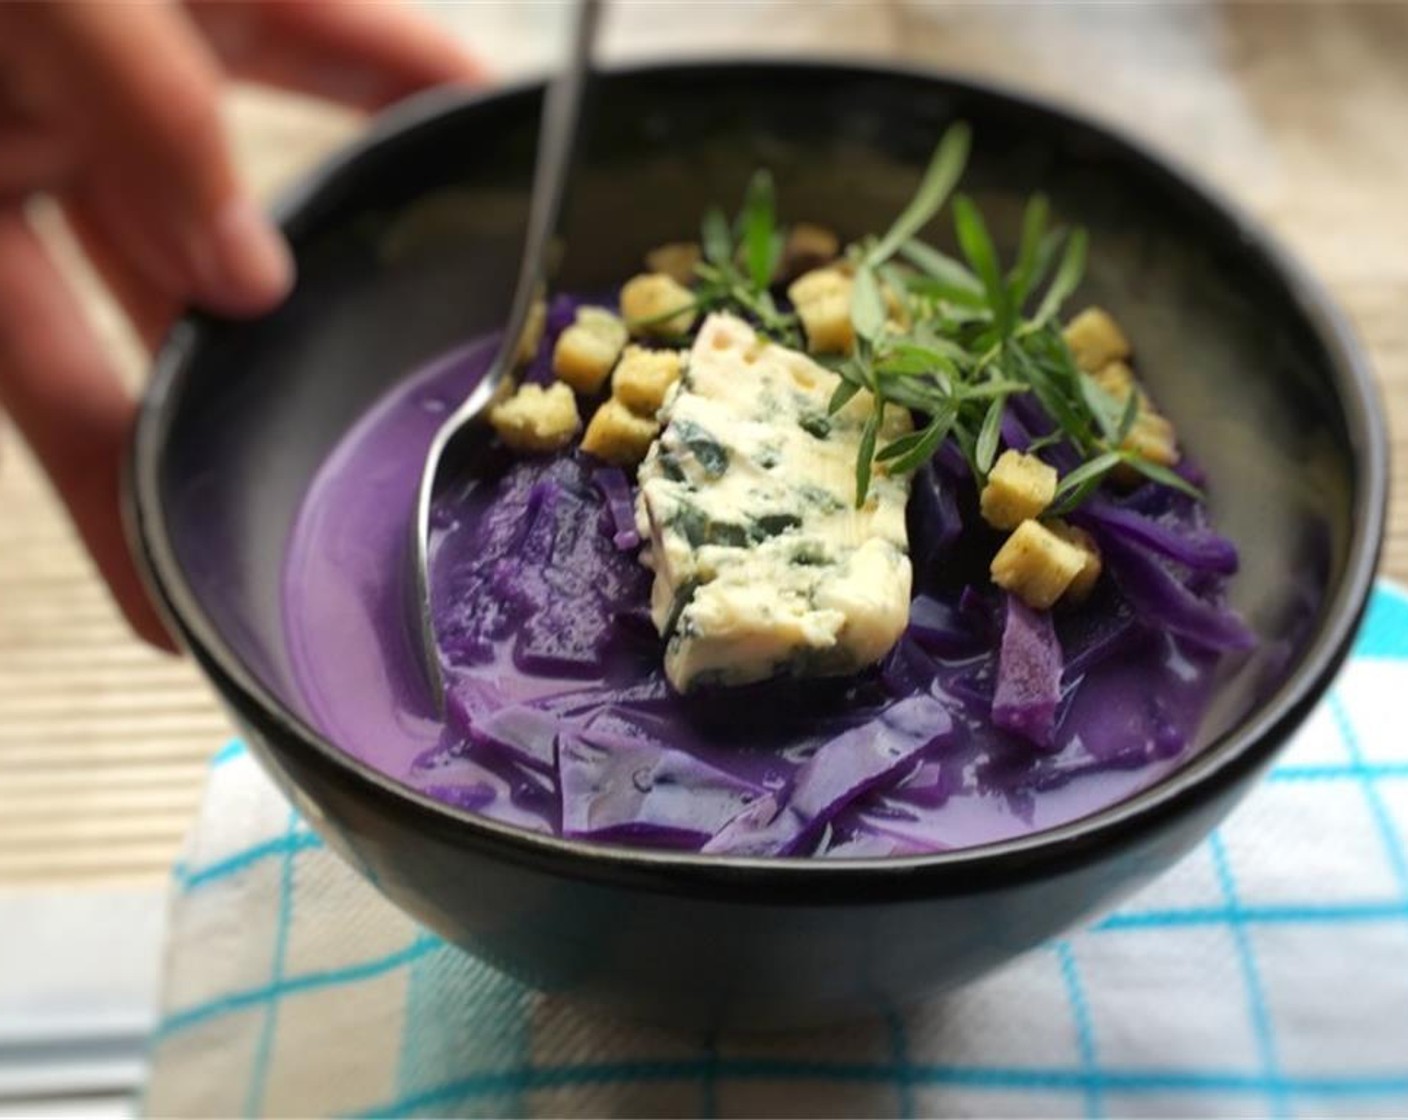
<point x="407" y="244"/>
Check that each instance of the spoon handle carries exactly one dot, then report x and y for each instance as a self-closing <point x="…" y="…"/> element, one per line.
<point x="557" y="143"/>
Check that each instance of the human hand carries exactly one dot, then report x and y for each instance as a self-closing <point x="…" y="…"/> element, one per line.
<point x="114" y="111"/>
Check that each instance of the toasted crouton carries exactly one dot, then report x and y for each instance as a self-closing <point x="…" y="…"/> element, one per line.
<point x="823" y="302"/>
<point x="1086" y="578"/>
<point x="676" y="259"/>
<point x="808" y="246"/>
<point x="1019" y="487"/>
<point x="644" y="377"/>
<point x="618" y="435"/>
<point x="1096" y="340"/>
<point x="587" y="351"/>
<point x="1152" y="437"/>
<point x="1036" y="565"/>
<point x="657" y="306"/>
<point x="535" y="419"/>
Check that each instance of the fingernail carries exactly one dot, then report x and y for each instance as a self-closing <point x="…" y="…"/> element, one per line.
<point x="246" y="266"/>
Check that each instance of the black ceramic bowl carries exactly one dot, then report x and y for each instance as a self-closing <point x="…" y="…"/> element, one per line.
<point x="405" y="244"/>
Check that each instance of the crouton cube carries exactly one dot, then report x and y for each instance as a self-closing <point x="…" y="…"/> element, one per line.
<point x="822" y="299"/>
<point x="537" y="419"/>
<point x="676" y="259"/>
<point x="898" y="319"/>
<point x="655" y="306"/>
<point x="586" y="352"/>
<point x="1086" y="578"/>
<point x="1152" y="437"/>
<point x="1019" y="487"/>
<point x="1036" y="565"/>
<point x="644" y="377"/>
<point x="1096" y="340"/>
<point x="532" y="336"/>
<point x="808" y="246"/>
<point x="823" y="302"/>
<point x="1117" y="379"/>
<point x="820" y="284"/>
<point x="618" y="435"/>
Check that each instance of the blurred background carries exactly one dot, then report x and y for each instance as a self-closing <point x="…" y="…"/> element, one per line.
<point x="1295" y="110"/>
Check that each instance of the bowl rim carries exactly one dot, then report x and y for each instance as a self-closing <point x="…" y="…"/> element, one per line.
<point x="1222" y="764"/>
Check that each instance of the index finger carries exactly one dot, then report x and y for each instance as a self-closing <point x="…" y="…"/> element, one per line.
<point x="363" y="55"/>
<point x="56" y="382"/>
<point x="139" y="90"/>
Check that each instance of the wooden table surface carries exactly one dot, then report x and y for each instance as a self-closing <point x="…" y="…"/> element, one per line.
<point x="1296" y="110"/>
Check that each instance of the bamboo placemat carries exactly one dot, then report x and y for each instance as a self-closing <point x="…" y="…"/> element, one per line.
<point x="1297" y="110"/>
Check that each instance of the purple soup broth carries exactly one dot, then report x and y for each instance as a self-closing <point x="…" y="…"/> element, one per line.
<point x="346" y="597"/>
<point x="560" y="720"/>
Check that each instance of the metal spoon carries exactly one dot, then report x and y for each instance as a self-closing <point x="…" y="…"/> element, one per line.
<point x="462" y="430"/>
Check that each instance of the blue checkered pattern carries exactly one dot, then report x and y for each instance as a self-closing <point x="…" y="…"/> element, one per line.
<point x="1267" y="974"/>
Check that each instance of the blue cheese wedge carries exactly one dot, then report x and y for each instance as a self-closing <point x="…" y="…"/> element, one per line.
<point x="763" y="565"/>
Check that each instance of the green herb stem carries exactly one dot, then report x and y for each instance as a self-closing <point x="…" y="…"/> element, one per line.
<point x="968" y="347"/>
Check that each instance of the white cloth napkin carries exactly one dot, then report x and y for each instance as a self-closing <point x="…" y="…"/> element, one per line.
<point x="1266" y="974"/>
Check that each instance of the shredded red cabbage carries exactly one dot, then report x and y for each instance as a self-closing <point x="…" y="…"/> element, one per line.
<point x="935" y="523"/>
<point x="618" y="787"/>
<point x="525" y="734"/>
<point x="1090" y="636"/>
<point x="1027" y="416"/>
<point x="843" y="770"/>
<point x="620" y="503"/>
<point x="1193" y="547"/>
<point x="981" y="697"/>
<point x="1028" y="688"/>
<point x="1162" y="601"/>
<point x="941" y="628"/>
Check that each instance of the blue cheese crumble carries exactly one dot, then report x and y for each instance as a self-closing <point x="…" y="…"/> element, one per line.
<point x="763" y="565"/>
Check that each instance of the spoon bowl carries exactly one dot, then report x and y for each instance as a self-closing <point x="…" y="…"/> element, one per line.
<point x="462" y="431"/>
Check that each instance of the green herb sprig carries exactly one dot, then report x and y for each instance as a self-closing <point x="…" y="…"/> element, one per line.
<point x="740" y="260"/>
<point x="965" y="343"/>
<point x="952" y="340"/>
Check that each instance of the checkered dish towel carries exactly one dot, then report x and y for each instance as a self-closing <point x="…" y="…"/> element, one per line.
<point x="1265" y="974"/>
